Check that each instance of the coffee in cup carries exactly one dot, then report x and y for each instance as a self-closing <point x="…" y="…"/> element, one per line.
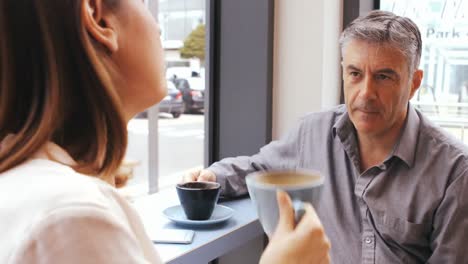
<point x="198" y="199"/>
<point x="302" y="186"/>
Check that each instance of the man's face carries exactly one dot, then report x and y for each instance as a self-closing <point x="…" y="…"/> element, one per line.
<point x="377" y="87"/>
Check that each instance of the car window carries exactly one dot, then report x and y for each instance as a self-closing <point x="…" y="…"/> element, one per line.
<point x="170" y="85"/>
<point x="196" y="83"/>
<point x="181" y="84"/>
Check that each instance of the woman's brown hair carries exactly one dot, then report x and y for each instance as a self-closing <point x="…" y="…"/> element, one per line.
<point x="54" y="87"/>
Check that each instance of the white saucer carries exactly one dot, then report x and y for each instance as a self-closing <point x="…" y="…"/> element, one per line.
<point x="220" y="214"/>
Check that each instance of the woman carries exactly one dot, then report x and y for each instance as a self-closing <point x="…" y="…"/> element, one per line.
<point x="72" y="74"/>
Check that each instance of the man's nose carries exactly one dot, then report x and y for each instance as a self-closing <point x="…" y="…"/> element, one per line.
<point x="368" y="89"/>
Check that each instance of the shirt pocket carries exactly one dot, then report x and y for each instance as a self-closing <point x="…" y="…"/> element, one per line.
<point x="405" y="233"/>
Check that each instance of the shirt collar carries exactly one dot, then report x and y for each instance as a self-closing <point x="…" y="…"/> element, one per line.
<point x="405" y="148"/>
<point x="54" y="152"/>
<point x="346" y="132"/>
<point x="343" y="126"/>
<point x="49" y="151"/>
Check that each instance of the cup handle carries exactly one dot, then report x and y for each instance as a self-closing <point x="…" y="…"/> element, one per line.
<point x="299" y="210"/>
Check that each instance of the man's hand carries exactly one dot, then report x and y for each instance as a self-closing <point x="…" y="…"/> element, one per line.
<point x="305" y="243"/>
<point x="200" y="175"/>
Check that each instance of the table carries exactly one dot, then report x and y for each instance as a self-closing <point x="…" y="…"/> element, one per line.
<point x="210" y="242"/>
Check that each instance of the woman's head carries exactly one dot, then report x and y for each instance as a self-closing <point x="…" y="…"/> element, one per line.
<point x="73" y="72"/>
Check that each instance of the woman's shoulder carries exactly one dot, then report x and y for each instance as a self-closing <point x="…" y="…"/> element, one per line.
<point x="43" y="185"/>
<point x="49" y="203"/>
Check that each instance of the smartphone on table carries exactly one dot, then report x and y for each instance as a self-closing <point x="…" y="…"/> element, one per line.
<point x="172" y="236"/>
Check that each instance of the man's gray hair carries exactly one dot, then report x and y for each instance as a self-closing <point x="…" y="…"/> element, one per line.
<point x="385" y="27"/>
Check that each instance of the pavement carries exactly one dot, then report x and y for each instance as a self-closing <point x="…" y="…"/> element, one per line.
<point x="181" y="147"/>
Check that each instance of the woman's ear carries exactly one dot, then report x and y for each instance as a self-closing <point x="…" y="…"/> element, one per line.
<point x="100" y="23"/>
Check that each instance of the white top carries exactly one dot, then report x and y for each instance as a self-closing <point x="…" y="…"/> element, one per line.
<point x="51" y="214"/>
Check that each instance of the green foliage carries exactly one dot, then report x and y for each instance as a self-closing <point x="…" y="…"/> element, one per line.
<point x="194" y="44"/>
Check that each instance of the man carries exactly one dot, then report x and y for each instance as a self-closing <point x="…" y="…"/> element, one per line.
<point x="396" y="188"/>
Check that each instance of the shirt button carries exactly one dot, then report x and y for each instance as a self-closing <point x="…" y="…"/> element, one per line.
<point x="368" y="240"/>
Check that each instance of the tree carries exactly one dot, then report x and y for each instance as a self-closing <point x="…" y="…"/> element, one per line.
<point x="194" y="44"/>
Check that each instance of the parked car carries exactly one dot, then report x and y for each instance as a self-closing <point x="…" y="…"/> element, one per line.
<point x="173" y="102"/>
<point x="182" y="72"/>
<point x="193" y="93"/>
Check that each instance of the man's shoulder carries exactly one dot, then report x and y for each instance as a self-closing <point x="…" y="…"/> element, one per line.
<point x="325" y="117"/>
<point x="435" y="136"/>
<point x="439" y="143"/>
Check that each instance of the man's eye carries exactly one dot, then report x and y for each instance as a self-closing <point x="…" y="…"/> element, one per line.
<point x="354" y="74"/>
<point x="382" y="77"/>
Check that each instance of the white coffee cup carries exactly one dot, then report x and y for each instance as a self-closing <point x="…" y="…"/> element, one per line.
<point x="302" y="186"/>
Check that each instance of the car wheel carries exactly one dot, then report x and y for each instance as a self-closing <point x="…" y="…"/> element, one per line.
<point x="176" y="114"/>
<point x="187" y="108"/>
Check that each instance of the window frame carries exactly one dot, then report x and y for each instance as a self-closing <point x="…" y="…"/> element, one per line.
<point x="223" y="128"/>
<point x="226" y="135"/>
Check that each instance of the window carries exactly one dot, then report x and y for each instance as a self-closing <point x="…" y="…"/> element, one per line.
<point x="237" y="92"/>
<point x="168" y="140"/>
<point x="443" y="95"/>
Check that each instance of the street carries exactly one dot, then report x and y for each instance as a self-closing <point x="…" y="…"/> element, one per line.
<point x="181" y="143"/>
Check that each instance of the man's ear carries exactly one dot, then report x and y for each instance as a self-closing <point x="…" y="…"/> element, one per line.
<point x="416" y="82"/>
<point x="99" y="23"/>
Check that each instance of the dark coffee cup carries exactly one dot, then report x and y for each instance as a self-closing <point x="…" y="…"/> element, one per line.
<point x="198" y="199"/>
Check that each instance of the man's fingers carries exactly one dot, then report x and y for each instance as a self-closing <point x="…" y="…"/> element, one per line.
<point x="206" y="175"/>
<point x="199" y="175"/>
<point x="191" y="176"/>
